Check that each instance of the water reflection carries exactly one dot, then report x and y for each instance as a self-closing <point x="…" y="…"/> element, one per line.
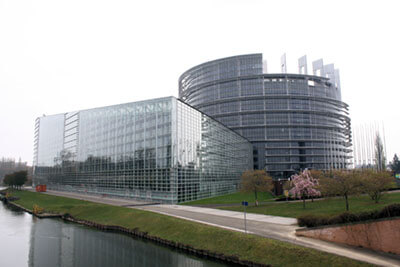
<point x="27" y="241"/>
<point x="15" y="228"/>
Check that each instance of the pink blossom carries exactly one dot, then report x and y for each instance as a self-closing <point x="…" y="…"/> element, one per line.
<point x="304" y="185"/>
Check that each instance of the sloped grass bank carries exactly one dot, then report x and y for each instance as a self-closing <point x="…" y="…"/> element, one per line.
<point x="195" y="235"/>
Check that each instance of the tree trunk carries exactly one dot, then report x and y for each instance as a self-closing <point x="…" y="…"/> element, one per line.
<point x="347" y="202"/>
<point x="377" y="197"/>
<point x="304" y="202"/>
<point x="255" y="195"/>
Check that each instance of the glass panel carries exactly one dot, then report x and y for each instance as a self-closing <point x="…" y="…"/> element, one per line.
<point x="157" y="150"/>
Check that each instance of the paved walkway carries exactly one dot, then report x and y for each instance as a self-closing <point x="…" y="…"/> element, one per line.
<point x="230" y="214"/>
<point x="280" y="228"/>
<point x="125" y="202"/>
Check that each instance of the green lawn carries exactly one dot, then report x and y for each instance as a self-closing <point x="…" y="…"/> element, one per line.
<point x="200" y="236"/>
<point x="232" y="199"/>
<point x="329" y="206"/>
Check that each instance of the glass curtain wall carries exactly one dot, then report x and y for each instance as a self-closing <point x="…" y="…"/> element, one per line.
<point x="155" y="150"/>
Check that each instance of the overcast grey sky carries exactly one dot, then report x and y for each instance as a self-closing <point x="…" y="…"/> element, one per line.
<point x="59" y="56"/>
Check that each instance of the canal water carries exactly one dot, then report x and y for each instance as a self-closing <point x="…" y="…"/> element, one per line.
<point x="28" y="241"/>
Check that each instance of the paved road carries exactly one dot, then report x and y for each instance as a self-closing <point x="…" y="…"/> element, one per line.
<point x="275" y="227"/>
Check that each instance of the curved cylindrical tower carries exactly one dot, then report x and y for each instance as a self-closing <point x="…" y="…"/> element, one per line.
<point x="294" y="121"/>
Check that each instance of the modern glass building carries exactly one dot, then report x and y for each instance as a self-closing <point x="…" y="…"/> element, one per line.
<point x="160" y="150"/>
<point x="294" y="121"/>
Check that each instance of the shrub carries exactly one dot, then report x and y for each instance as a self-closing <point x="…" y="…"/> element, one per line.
<point x="309" y="220"/>
<point x="37" y="209"/>
<point x="283" y="198"/>
<point x="368" y="215"/>
<point x="348" y="217"/>
<point x="8" y="195"/>
<point x="392" y="210"/>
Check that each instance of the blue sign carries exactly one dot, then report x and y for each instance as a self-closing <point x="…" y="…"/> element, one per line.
<point x="245" y="203"/>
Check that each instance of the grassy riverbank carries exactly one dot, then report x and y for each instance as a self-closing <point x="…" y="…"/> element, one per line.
<point x="244" y="246"/>
<point x="329" y="206"/>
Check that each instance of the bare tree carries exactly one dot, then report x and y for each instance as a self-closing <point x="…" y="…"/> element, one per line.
<point x="256" y="181"/>
<point x="341" y="183"/>
<point x="374" y="183"/>
<point x="380" y="159"/>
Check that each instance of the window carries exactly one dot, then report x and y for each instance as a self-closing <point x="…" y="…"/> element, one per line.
<point x="251" y="87"/>
<point x="256" y="104"/>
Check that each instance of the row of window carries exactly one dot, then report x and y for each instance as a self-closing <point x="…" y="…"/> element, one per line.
<point x="222" y="69"/>
<point x="272" y="104"/>
<point x="292" y="133"/>
<point x="254" y="87"/>
<point x="279" y="118"/>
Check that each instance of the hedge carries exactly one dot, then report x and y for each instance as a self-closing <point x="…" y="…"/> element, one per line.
<point x="309" y="220"/>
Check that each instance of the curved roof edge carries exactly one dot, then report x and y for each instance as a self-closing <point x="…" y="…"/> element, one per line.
<point x="217" y="60"/>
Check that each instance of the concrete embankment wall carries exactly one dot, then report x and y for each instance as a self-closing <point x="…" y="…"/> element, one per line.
<point x="381" y="235"/>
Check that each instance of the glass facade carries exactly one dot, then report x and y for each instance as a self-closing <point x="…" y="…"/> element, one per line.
<point x="294" y="121"/>
<point x="160" y="150"/>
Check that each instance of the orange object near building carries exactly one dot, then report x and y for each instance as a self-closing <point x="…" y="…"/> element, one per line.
<point x="41" y="188"/>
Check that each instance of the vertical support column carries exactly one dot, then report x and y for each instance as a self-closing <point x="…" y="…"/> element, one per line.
<point x="283" y="63"/>
<point x="318" y="68"/>
<point x="303" y="65"/>
<point x="264" y="66"/>
<point x="338" y="87"/>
